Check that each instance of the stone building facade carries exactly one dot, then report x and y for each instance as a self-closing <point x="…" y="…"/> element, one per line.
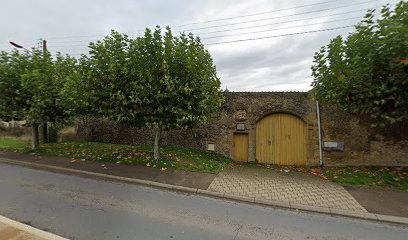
<point x="347" y="139"/>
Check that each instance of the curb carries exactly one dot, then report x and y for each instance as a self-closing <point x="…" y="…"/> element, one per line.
<point x="30" y="230"/>
<point x="280" y="204"/>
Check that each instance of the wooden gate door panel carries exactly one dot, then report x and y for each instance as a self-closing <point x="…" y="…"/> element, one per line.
<point x="281" y="139"/>
<point x="241" y="147"/>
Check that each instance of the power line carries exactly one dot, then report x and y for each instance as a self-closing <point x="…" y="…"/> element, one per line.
<point x="83" y="36"/>
<point x="83" y="40"/>
<point x="265" y="19"/>
<point x="283" y="28"/>
<point x="249" y="32"/>
<point x="283" y="22"/>
<point x="64" y="48"/>
<point x="220" y="36"/>
<point x="230" y="35"/>
<point x="241" y="40"/>
<point x="214" y="20"/>
<point x="233" y="29"/>
<point x="75" y="45"/>
<point x="73" y="49"/>
<point x="273" y="36"/>
<point x="255" y="14"/>
<point x="72" y="41"/>
<point x="296" y="7"/>
<point x="87" y="36"/>
<point x="281" y="35"/>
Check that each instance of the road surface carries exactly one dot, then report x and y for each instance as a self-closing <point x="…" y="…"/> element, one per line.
<point x="83" y="208"/>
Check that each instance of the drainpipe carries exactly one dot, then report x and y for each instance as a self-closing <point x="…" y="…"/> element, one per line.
<point x="320" y="134"/>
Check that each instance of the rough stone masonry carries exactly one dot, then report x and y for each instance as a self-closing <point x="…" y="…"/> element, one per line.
<point x="347" y="139"/>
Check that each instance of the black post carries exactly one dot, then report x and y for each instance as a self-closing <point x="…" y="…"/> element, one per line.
<point x="35" y="143"/>
<point x="45" y="132"/>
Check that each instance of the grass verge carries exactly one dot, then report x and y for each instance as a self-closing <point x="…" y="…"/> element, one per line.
<point x="372" y="176"/>
<point x="171" y="157"/>
<point x="395" y="178"/>
<point x="13" y="145"/>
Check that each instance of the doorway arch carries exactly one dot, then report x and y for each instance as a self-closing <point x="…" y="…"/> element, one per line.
<point x="281" y="139"/>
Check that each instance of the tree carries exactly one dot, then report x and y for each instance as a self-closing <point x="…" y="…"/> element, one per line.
<point x="12" y="95"/>
<point x="367" y="72"/>
<point x="32" y="83"/>
<point x="159" y="81"/>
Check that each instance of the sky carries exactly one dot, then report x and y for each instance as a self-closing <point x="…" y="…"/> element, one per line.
<point x="256" y="45"/>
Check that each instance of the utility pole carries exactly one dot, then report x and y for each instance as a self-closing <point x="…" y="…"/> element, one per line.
<point x="45" y="124"/>
<point x="35" y="139"/>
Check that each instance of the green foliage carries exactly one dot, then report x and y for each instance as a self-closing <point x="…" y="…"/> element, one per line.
<point x="65" y="74"/>
<point x="155" y="80"/>
<point x="12" y="95"/>
<point x="30" y="85"/>
<point x="367" y="73"/>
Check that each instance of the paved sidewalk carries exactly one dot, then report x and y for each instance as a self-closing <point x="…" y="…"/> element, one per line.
<point x="381" y="201"/>
<point x="12" y="230"/>
<point x="276" y="185"/>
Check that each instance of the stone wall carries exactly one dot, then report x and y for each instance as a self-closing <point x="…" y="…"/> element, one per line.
<point x="15" y="129"/>
<point x="362" y="144"/>
<point x="109" y="132"/>
<point x="240" y="107"/>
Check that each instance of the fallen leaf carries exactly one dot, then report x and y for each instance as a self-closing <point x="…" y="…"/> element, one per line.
<point x="163" y="169"/>
<point x="378" y="182"/>
<point x="316" y="170"/>
<point x="147" y="164"/>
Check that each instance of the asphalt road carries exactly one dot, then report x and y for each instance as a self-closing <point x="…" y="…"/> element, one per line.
<point x="83" y="208"/>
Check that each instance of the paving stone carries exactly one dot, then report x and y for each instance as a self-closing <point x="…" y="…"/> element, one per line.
<point x="271" y="184"/>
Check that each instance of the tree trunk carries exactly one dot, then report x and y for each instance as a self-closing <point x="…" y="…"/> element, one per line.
<point x="157" y="143"/>
<point x="35" y="144"/>
<point x="45" y="132"/>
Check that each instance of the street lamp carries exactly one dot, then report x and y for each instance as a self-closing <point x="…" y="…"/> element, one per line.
<point x="44" y="45"/>
<point x="18" y="46"/>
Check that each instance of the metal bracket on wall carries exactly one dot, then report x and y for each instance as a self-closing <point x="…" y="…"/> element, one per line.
<point x="333" y="146"/>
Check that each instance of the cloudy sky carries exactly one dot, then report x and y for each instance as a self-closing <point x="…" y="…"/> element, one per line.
<point x="246" y="38"/>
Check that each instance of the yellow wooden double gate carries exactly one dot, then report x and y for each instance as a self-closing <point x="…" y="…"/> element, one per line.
<point x="281" y="139"/>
